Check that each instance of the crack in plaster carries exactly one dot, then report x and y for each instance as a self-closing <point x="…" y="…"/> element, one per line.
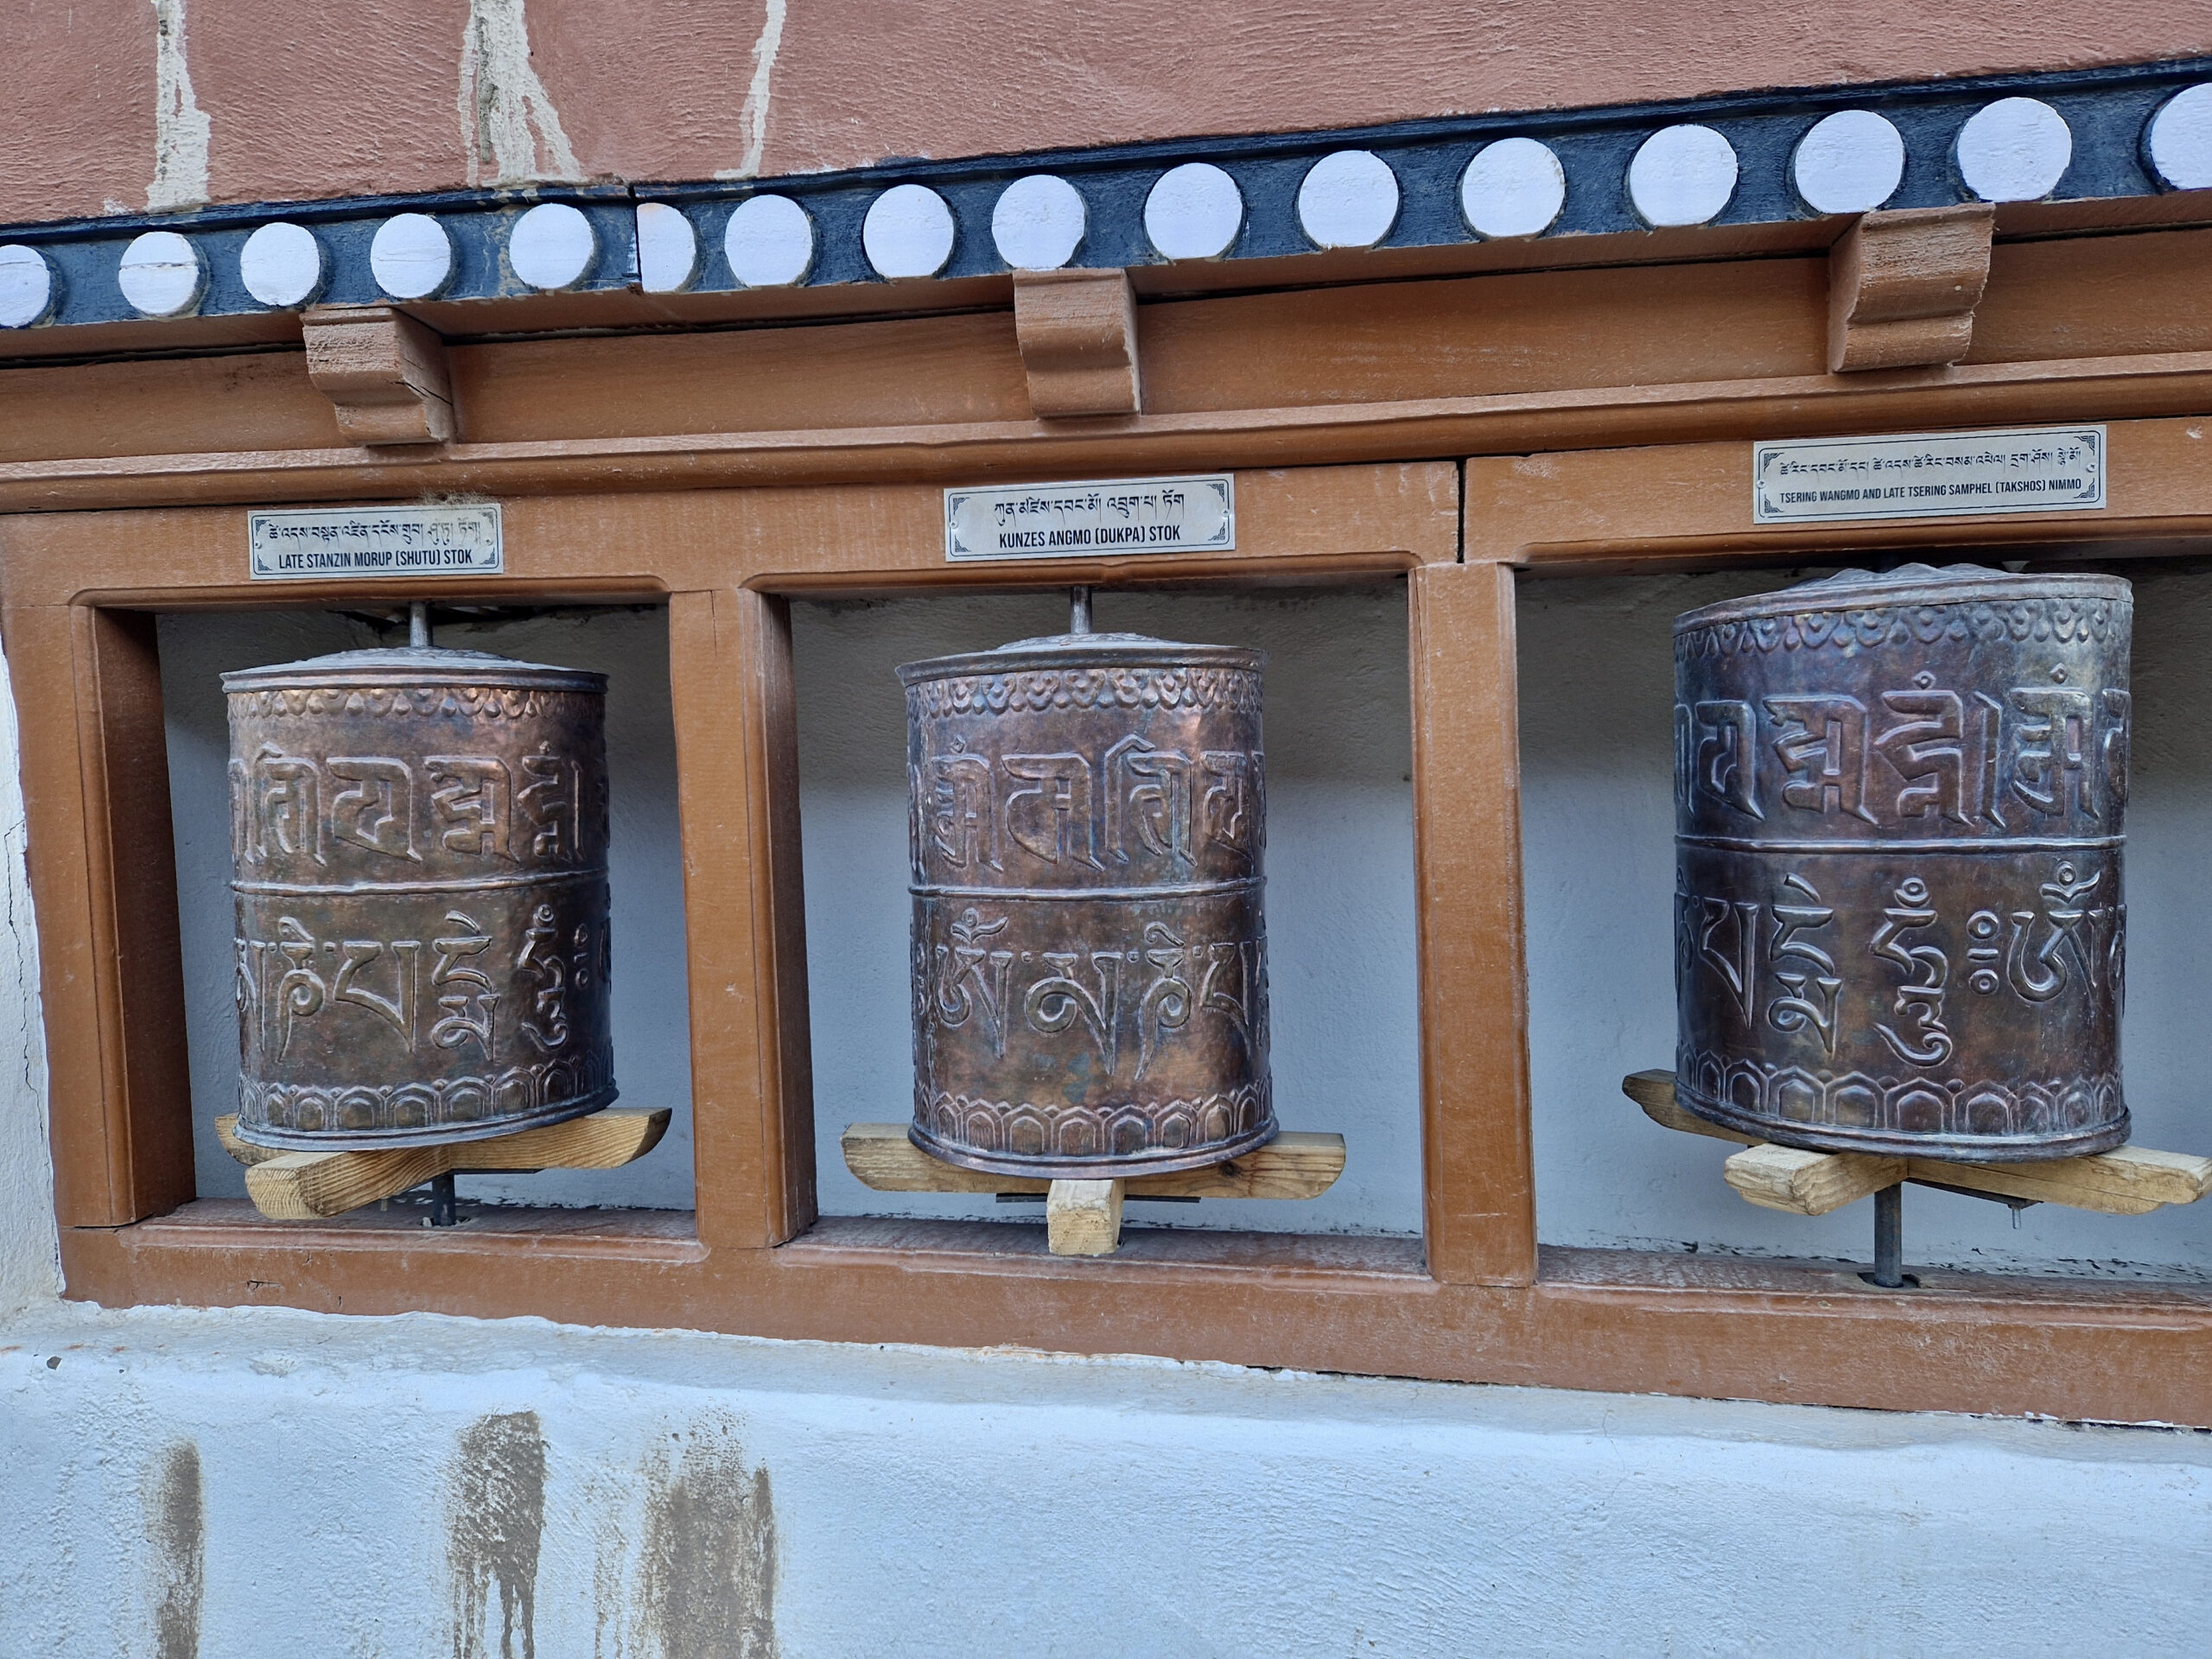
<point x="753" y="116"/>
<point x="181" y="126"/>
<point x="505" y="109"/>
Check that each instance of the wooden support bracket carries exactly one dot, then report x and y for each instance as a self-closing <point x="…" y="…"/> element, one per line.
<point x="1903" y="287"/>
<point x="1077" y="330"/>
<point x="384" y="372"/>
<point x="2129" y="1181"/>
<point x="1808" y="1183"/>
<point x="1083" y="1218"/>
<point x="314" y="1185"/>
<point x="1293" y="1165"/>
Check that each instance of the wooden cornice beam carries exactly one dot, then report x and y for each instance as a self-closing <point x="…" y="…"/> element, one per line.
<point x="1903" y="287"/>
<point x="384" y="371"/>
<point x="1077" y="330"/>
<point x="2148" y="384"/>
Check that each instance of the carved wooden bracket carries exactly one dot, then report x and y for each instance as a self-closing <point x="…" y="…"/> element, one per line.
<point x="1078" y="335"/>
<point x="385" y="373"/>
<point x="1903" y="287"/>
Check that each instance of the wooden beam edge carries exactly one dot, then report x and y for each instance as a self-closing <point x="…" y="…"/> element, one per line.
<point x="2127" y="1181"/>
<point x="2172" y="385"/>
<point x="316" y="1185"/>
<point x="1904" y="284"/>
<point x="1296" y="1165"/>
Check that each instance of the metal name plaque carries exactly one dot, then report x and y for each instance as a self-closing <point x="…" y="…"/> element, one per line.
<point x="1121" y="514"/>
<point x="355" y="542"/>
<point x="1928" y="474"/>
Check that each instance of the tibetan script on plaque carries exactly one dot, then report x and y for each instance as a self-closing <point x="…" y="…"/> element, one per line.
<point x="1125" y="515"/>
<point x="449" y="541"/>
<point x="1928" y="474"/>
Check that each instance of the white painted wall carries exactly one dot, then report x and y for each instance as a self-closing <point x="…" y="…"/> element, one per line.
<point x="1597" y="836"/>
<point x="30" y="1264"/>
<point x="323" y="1483"/>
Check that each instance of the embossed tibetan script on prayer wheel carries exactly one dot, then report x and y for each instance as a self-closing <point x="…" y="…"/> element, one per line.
<point x="419" y="842"/>
<point x="1090" y="972"/>
<point x="1898" y="807"/>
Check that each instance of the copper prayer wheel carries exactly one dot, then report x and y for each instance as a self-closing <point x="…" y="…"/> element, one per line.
<point x="419" y="848"/>
<point x="1090" y="958"/>
<point x="1898" y="917"/>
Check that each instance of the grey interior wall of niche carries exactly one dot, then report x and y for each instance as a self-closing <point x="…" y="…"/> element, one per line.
<point x="652" y="1058"/>
<point x="1597" y="694"/>
<point x="1340" y="895"/>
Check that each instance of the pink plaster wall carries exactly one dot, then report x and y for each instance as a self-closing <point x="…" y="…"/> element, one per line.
<point x="76" y="106"/>
<point x="318" y="101"/>
<point x="305" y="99"/>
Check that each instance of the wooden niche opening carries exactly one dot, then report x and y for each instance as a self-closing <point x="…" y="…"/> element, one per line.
<point x="1474" y="1299"/>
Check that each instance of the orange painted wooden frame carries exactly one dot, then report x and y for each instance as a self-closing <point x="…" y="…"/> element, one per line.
<point x="1476" y="1300"/>
<point x="79" y="593"/>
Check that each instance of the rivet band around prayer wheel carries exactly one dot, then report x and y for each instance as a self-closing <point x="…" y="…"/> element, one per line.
<point x="1090" y="956"/>
<point x="1899" y="810"/>
<point x="419" y="845"/>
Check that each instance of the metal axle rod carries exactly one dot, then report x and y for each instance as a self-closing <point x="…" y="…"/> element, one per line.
<point x="1889" y="1237"/>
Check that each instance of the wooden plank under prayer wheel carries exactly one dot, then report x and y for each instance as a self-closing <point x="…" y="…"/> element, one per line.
<point x="1899" y="805"/>
<point x="419" y="847"/>
<point x="1089" y="958"/>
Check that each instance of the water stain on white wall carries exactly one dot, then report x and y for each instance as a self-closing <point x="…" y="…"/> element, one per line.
<point x="707" y="1581"/>
<point x="177" y="1536"/>
<point x="497" y="1519"/>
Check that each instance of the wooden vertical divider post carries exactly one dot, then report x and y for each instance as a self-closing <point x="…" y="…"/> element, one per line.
<point x="779" y="900"/>
<point x="751" y="1066"/>
<point x="137" y="968"/>
<point x="1478" y="1177"/>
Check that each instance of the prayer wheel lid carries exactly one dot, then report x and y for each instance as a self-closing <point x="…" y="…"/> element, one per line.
<point x="1083" y="650"/>
<point x="418" y="665"/>
<point x="1909" y="584"/>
